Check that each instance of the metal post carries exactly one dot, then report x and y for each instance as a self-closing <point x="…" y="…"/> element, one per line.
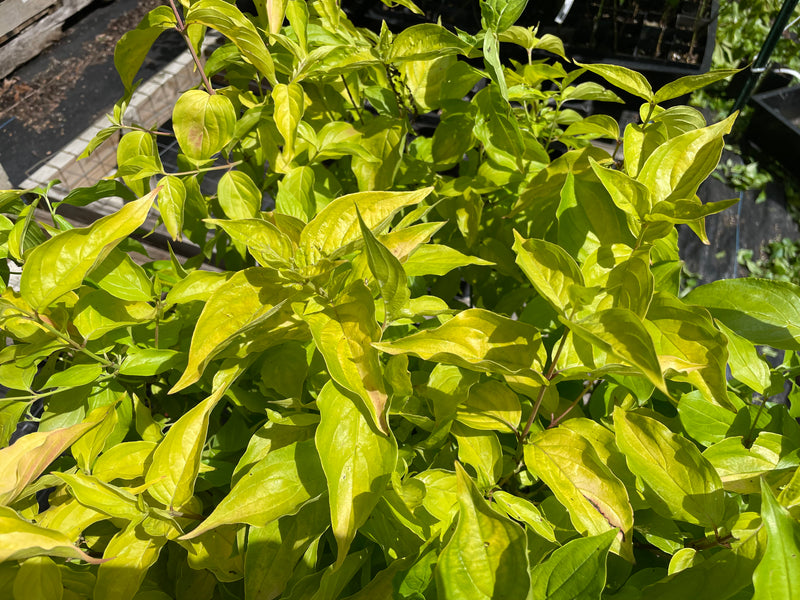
<point x="760" y="63"/>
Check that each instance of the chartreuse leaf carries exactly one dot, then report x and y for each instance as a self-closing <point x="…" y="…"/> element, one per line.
<point x="437" y="259"/>
<point x="526" y="512"/>
<point x="490" y="406"/>
<point x="628" y="194"/>
<point x="289" y="107"/>
<point x="238" y="196"/>
<point x="26" y="459"/>
<point x="265" y="242"/>
<point x="425" y="42"/>
<point x="478" y="340"/>
<point x="577" y="570"/>
<point x="550" y="269"/>
<point x="619" y="332"/>
<point x="344" y="334"/>
<point x="625" y="79"/>
<point x="679" y="482"/>
<point x="336" y="226"/>
<point x="762" y="311"/>
<point x="176" y="460"/>
<point x="480" y="450"/>
<point x="745" y="363"/>
<point x="102" y="497"/>
<point x="740" y="468"/>
<point x="678" y="166"/>
<point x="118" y="275"/>
<point x="39" y="578"/>
<point x="21" y="539"/>
<point x="98" y="312"/>
<point x="230" y="22"/>
<point x="247" y="299"/>
<point x="690" y="83"/>
<point x="277" y="485"/>
<point x="203" y="123"/>
<point x="129" y="555"/>
<point x="705" y="422"/>
<point x="60" y="264"/>
<point x="388" y="271"/>
<point x="171" y="202"/>
<point x="296" y="193"/>
<point x="128" y="460"/>
<point x="357" y="460"/>
<point x="596" y="500"/>
<point x="487" y="555"/>
<point x="687" y="343"/>
<point x="273" y="551"/>
<point x="133" y="46"/>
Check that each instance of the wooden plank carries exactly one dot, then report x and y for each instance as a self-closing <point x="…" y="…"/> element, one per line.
<point x="14" y="13"/>
<point x="31" y="41"/>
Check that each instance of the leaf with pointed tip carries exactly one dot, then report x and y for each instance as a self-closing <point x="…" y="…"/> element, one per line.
<point x="478" y="340"/>
<point x="679" y="482"/>
<point x="690" y="83"/>
<point x="59" y="265"/>
<point x="357" y="460"/>
<point x="624" y="78"/>
<point x="487" y="556"/>
<point x="21" y="539"/>
<point x="577" y="570"/>
<point x="595" y="498"/>
<point x="133" y="46"/>
<point x="278" y="485"/>
<point x="763" y="311"/>
<point x="249" y="298"/>
<point x="24" y="460"/>
<point x="265" y="242"/>
<point x="778" y="573"/>
<point x="344" y="334"/>
<point x="550" y="269"/>
<point x="438" y="259"/>
<point x="336" y="226"/>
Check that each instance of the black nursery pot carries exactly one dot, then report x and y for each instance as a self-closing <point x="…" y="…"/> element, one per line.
<point x="775" y="126"/>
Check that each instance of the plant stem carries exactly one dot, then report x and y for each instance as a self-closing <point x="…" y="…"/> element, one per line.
<point x="353" y="102"/>
<point x="574" y="403"/>
<point x="549" y="376"/>
<point x="181" y="27"/>
<point x="227" y="166"/>
<point x="75" y="345"/>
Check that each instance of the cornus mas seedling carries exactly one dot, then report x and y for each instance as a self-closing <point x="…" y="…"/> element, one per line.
<point x="409" y="361"/>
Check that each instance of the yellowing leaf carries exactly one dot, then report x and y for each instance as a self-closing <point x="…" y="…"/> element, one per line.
<point x="247" y="299"/>
<point x="487" y="556"/>
<point x="778" y="573"/>
<point x="357" y="460"/>
<point x="24" y="460"/>
<point x="176" y="460"/>
<point x="230" y="22"/>
<point x="476" y="339"/>
<point x="39" y="578"/>
<point x="679" y="482"/>
<point x="277" y="485"/>
<point x="595" y="498"/>
<point x="336" y="226"/>
<point x="21" y="539"/>
<point x="344" y="334"/>
<point x="203" y="123"/>
<point x="550" y="269"/>
<point x="59" y="265"/>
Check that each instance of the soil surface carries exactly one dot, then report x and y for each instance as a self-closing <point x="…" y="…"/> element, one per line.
<point x="48" y="101"/>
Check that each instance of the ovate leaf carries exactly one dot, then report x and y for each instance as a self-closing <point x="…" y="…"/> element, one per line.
<point x="578" y="570"/>
<point x="478" y="340"/>
<point x="203" y="123"/>
<point x="596" y="500"/>
<point x="60" y="264"/>
<point x="778" y="573"/>
<point x="21" y="539"/>
<point x="550" y="269"/>
<point x="132" y="48"/>
<point x="277" y="485"/>
<point x="357" y="460"/>
<point x="238" y="195"/>
<point x="487" y="556"/>
<point x="762" y="311"/>
<point x="679" y="482"/>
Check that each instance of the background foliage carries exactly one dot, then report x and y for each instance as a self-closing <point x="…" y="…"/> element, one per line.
<point x="450" y="362"/>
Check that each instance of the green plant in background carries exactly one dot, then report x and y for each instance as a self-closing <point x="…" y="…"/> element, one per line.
<point x="445" y="365"/>
<point x="744" y="176"/>
<point x="780" y="261"/>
